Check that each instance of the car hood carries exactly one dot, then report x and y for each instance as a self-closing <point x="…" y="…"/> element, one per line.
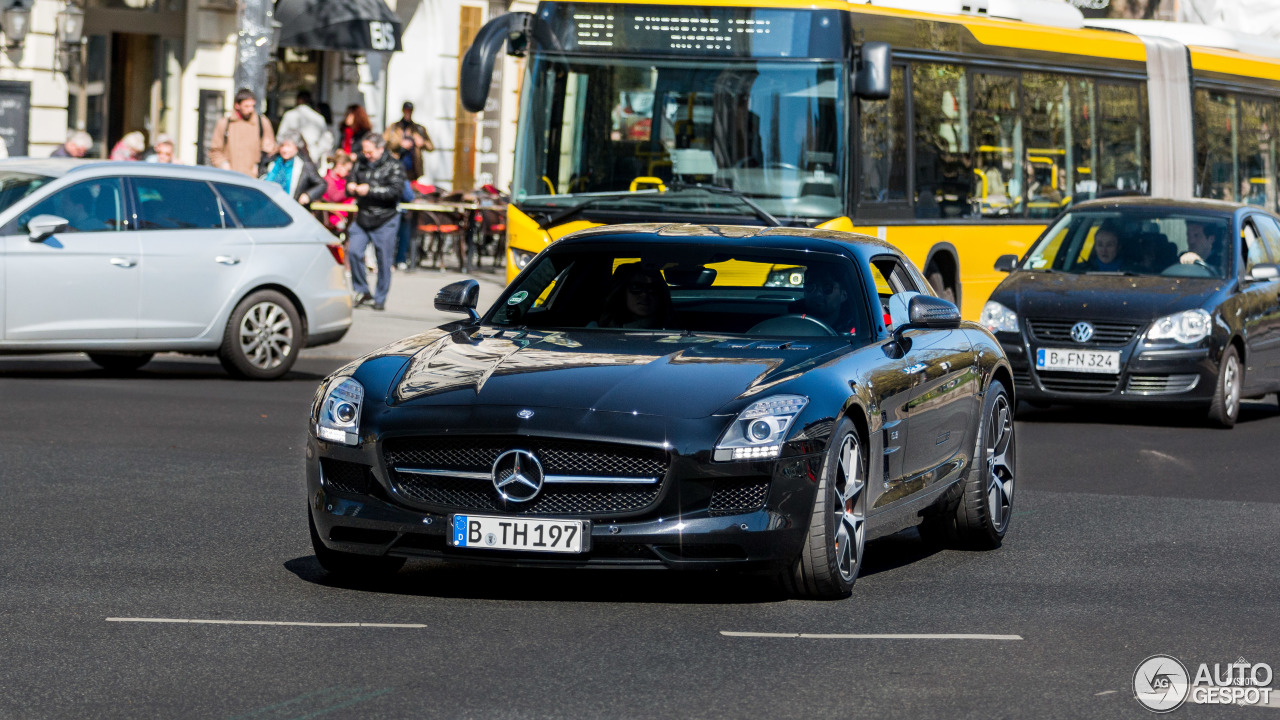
<point x="687" y="376"/>
<point x="1102" y="297"/>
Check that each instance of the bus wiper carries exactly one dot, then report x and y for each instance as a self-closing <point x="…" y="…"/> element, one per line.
<point x="556" y="218"/>
<point x="761" y="213"/>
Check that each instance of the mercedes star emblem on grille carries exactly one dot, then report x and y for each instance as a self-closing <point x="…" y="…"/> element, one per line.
<point x="517" y="476"/>
<point x="1081" y="332"/>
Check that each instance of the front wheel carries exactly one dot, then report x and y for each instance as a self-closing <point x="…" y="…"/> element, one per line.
<point x="986" y="503"/>
<point x="262" y="338"/>
<point x="1225" y="406"/>
<point x="350" y="566"/>
<point x="122" y="362"/>
<point x="832" y="555"/>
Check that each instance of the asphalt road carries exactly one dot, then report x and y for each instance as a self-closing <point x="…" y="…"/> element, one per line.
<point x="178" y="494"/>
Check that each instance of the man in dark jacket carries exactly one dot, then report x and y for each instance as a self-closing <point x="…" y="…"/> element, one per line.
<point x="376" y="183"/>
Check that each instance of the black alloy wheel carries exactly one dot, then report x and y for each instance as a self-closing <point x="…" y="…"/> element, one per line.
<point x="986" y="501"/>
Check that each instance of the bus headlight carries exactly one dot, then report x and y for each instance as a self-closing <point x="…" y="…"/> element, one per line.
<point x="521" y="258"/>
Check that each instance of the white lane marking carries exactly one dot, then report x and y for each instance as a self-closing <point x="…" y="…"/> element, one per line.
<point x="872" y="636"/>
<point x="196" y="621"/>
<point x="1105" y="692"/>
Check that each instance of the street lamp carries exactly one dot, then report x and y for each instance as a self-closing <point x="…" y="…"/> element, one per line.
<point x="70" y="25"/>
<point x="17" y="21"/>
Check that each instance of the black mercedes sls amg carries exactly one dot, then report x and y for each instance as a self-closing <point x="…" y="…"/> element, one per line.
<point x="680" y="396"/>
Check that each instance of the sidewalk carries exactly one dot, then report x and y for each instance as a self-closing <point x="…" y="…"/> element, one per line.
<point x="410" y="310"/>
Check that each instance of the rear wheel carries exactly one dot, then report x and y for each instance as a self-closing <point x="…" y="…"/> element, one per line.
<point x="832" y="555"/>
<point x="1225" y="406"/>
<point x="986" y="503"/>
<point x="120" y="362"/>
<point x="350" y="565"/>
<point x="262" y="338"/>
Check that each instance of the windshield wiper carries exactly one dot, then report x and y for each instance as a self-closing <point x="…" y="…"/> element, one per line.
<point x="761" y="213"/>
<point x="553" y="219"/>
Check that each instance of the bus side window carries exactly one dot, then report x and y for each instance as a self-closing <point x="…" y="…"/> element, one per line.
<point x="943" y="171"/>
<point x="883" y="145"/>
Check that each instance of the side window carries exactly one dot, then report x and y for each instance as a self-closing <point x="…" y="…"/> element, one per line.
<point x="998" y="182"/>
<point x="169" y="204"/>
<point x="1123" y="158"/>
<point x="1270" y="235"/>
<point x="252" y="207"/>
<point x="940" y="105"/>
<point x="891" y="277"/>
<point x="1253" y="249"/>
<point x="884" y="145"/>
<point x="90" y="206"/>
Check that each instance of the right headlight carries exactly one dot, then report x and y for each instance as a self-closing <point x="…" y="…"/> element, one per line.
<point x="1185" y="327"/>
<point x="338" y="417"/>
<point x="998" y="318"/>
<point x="758" y="431"/>
<point x="521" y="257"/>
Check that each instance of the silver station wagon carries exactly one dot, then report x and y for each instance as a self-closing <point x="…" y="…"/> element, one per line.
<point x="124" y="260"/>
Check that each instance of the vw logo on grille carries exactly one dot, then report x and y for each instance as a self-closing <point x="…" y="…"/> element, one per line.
<point x="517" y="476"/>
<point x="1081" y="332"/>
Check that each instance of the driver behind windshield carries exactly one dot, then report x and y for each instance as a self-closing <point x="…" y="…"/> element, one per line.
<point x="827" y="299"/>
<point x="638" y="298"/>
<point x="1204" y="245"/>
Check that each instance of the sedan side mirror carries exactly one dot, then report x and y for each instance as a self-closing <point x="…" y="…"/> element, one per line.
<point x="912" y="310"/>
<point x="459" y="297"/>
<point x="1007" y="263"/>
<point x="1263" y="271"/>
<point x="42" y="226"/>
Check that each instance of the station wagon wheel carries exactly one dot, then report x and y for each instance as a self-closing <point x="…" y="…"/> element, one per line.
<point x="833" y="549"/>
<point x="986" y="503"/>
<point x="262" y="337"/>
<point x="1225" y="406"/>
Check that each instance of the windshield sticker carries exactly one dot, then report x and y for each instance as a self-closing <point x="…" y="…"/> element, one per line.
<point x="517" y="298"/>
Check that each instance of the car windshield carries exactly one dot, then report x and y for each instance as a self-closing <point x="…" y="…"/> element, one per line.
<point x="1134" y="242"/>
<point x="16" y="185"/>
<point x="769" y="129"/>
<point x="755" y="292"/>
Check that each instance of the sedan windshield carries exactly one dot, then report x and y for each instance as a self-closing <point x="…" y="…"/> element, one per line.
<point x="15" y="185"/>
<point x="756" y="292"/>
<point x="1133" y="242"/>
<point x="769" y="130"/>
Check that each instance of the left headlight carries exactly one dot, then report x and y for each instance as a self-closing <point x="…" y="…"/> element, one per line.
<point x="759" y="430"/>
<point x="998" y="318"/>
<point x="1185" y="327"/>
<point x="338" y="418"/>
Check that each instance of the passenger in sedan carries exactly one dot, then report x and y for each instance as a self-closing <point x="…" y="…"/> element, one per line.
<point x="638" y="298"/>
<point x="1106" y="250"/>
<point x="1204" y="245"/>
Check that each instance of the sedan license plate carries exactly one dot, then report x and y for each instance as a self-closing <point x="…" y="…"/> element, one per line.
<point x="1089" y="361"/>
<point x="507" y="533"/>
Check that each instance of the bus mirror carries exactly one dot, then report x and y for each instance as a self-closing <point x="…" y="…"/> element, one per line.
<point x="871" y="79"/>
<point x="477" y="64"/>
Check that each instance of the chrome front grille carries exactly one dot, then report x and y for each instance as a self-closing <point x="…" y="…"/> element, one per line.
<point x="1162" y="384"/>
<point x="1091" y="383"/>
<point x="581" y="478"/>
<point x="1104" y="333"/>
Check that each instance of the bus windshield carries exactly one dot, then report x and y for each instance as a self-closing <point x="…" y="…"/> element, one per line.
<point x="768" y="129"/>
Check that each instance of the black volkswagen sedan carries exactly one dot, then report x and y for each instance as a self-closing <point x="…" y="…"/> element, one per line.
<point x="1145" y="301"/>
<point x="671" y="396"/>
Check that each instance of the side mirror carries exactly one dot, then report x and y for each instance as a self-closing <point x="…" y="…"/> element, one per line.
<point x="42" y="226"/>
<point x="1263" y="271"/>
<point x="477" y="64"/>
<point x="911" y="310"/>
<point x="871" y="79"/>
<point x="1007" y="263"/>
<point x="459" y="297"/>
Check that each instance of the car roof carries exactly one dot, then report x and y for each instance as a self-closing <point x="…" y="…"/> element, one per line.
<point x="752" y="236"/>
<point x="59" y="167"/>
<point x="1197" y="205"/>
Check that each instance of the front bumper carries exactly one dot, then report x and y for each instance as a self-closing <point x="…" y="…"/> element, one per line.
<point x="685" y="528"/>
<point x="1150" y="373"/>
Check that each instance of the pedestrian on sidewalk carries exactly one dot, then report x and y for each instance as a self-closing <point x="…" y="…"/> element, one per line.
<point x="243" y="138"/>
<point x="407" y="139"/>
<point x="336" y="192"/>
<point x="377" y="183"/>
<point x="161" y="152"/>
<point x="130" y="147"/>
<point x="305" y="122"/>
<point x="292" y="171"/>
<point x="77" y="144"/>
<point x="354" y="126"/>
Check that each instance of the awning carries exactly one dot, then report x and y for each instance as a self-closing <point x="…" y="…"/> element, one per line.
<point x="354" y="25"/>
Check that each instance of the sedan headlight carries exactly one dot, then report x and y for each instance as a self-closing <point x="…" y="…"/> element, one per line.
<point x="1185" y="327"/>
<point x="338" y="418"/>
<point x="758" y="432"/>
<point x="521" y="257"/>
<point x="998" y="318"/>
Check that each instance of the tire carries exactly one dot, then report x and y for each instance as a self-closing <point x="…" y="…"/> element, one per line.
<point x="986" y="501"/>
<point x="940" y="286"/>
<point x="1225" y="406"/>
<point x="120" y="363"/>
<point x="351" y="566"/>
<point x="262" y="338"/>
<point x="833" y="548"/>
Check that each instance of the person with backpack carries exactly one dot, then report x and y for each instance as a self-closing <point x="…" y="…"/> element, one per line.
<point x="243" y="138"/>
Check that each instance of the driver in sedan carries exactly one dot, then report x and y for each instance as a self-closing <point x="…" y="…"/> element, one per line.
<point x="827" y="299"/>
<point x="1204" y="245"/>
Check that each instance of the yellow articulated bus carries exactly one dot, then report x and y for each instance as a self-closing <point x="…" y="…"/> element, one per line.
<point x="953" y="129"/>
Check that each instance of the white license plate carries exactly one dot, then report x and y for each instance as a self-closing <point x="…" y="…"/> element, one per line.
<point x="1090" y="361"/>
<point x="508" y="533"/>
